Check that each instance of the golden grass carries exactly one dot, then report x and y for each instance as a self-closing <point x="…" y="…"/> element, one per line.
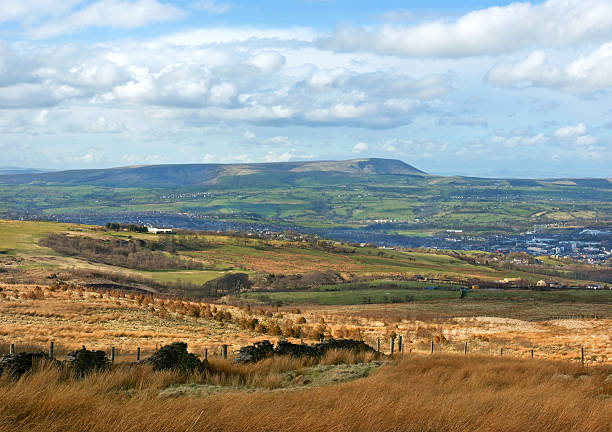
<point x="75" y="317"/>
<point x="417" y="393"/>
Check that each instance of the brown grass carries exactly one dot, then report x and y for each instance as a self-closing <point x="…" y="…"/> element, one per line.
<point x="418" y="393"/>
<point x="73" y="316"/>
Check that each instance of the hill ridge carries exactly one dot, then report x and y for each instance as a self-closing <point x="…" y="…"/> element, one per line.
<point x="194" y="174"/>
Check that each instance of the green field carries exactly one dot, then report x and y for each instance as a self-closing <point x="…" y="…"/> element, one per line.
<point x="418" y="204"/>
<point x="371" y="275"/>
<point x="382" y="296"/>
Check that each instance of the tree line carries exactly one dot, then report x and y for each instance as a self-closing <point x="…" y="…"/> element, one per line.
<point x="132" y="254"/>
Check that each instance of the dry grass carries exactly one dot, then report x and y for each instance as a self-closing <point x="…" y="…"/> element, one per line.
<point x="73" y="317"/>
<point x="418" y="393"/>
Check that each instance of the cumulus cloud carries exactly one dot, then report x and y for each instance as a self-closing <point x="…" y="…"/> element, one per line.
<point x="495" y="30"/>
<point x="267" y="61"/>
<point x="519" y="140"/>
<point x="571" y="131"/>
<point x="124" y="14"/>
<point x="32" y="10"/>
<point x="360" y="147"/>
<point x="585" y="74"/>
<point x="218" y="35"/>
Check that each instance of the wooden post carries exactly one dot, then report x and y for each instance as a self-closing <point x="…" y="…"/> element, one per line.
<point x="205" y="353"/>
<point x="582" y="355"/>
<point x="501" y="352"/>
<point x="378" y="345"/>
<point x="51" y="350"/>
<point x="138" y="354"/>
<point x="112" y="354"/>
<point x="532" y="353"/>
<point x="12" y="349"/>
<point x="432" y="346"/>
<point x="465" y="348"/>
<point x="392" y="346"/>
<point x="400" y="345"/>
<point x="224" y="350"/>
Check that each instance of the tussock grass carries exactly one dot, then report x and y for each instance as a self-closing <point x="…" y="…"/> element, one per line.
<point x="416" y="393"/>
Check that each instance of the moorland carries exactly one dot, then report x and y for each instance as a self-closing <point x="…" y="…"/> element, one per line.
<point x="506" y="356"/>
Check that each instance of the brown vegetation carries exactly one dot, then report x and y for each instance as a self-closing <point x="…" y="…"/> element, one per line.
<point x="418" y="393"/>
<point x="135" y="254"/>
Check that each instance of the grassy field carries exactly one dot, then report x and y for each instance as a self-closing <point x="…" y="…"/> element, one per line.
<point x="557" y="323"/>
<point x="419" y="204"/>
<point x="326" y="296"/>
<point x="226" y="253"/>
<point x="416" y="393"/>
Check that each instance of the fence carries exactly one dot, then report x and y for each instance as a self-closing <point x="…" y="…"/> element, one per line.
<point x="222" y="351"/>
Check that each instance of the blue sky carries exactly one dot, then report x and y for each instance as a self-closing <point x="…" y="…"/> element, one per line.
<point x="478" y="88"/>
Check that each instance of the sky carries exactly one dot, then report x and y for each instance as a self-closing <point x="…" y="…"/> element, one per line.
<point x="476" y="88"/>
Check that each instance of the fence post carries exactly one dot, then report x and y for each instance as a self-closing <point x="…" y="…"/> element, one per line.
<point x="582" y="355"/>
<point x="224" y="350"/>
<point x="400" y="345"/>
<point x="138" y="354"/>
<point x="12" y="349"/>
<point x="501" y="352"/>
<point x="51" y="350"/>
<point x="432" y="346"/>
<point x="531" y="352"/>
<point x="378" y="345"/>
<point x="205" y="353"/>
<point x="392" y="347"/>
<point x="465" y="348"/>
<point x="112" y="354"/>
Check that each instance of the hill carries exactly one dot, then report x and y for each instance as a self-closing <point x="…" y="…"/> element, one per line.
<point x="381" y="200"/>
<point x="185" y="175"/>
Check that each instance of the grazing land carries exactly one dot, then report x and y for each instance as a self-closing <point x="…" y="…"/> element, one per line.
<point x="503" y="358"/>
<point x="353" y="194"/>
<point x="296" y="289"/>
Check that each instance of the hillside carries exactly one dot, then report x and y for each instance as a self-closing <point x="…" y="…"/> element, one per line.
<point x="359" y="195"/>
<point x="185" y="175"/>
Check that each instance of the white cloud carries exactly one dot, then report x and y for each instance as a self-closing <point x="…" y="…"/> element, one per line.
<point x="585" y="74"/>
<point x="389" y="146"/>
<point x="122" y="14"/>
<point x="222" y="93"/>
<point x="249" y="135"/>
<point x="282" y="157"/>
<point x="571" y="131"/>
<point x="218" y="35"/>
<point x="360" y="147"/>
<point x="267" y="61"/>
<point x="519" y="140"/>
<point x="212" y="7"/>
<point x="496" y="30"/>
<point x="32" y="10"/>
<point x="40" y="119"/>
<point x="586" y="140"/>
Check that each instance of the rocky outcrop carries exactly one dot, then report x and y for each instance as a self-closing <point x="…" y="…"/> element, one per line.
<point x="257" y="351"/>
<point x="20" y="363"/>
<point x="176" y="357"/>
<point x="264" y="349"/>
<point x="84" y="361"/>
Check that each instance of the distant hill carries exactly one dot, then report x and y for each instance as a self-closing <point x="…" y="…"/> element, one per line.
<point x="185" y="175"/>
<point x="18" y="170"/>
